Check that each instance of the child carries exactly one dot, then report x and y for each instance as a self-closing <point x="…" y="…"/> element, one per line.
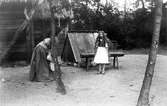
<point x="101" y="56"/>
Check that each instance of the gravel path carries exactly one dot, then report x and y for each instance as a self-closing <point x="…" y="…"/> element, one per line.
<point x="118" y="87"/>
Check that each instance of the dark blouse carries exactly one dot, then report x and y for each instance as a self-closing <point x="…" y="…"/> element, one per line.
<point x="101" y="41"/>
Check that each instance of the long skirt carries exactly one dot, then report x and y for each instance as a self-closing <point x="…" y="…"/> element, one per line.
<point x="39" y="69"/>
<point x="101" y="56"/>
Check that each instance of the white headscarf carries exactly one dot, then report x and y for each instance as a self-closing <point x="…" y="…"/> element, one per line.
<point x="46" y="40"/>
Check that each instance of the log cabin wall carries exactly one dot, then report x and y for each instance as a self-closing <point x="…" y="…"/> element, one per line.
<point x="11" y="17"/>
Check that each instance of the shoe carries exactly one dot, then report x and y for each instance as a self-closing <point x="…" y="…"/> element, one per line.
<point x="99" y="72"/>
<point x="103" y="72"/>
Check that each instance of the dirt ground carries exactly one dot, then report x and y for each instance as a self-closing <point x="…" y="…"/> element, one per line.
<point x="118" y="87"/>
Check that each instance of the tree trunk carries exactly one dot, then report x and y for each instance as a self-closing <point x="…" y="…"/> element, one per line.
<point x="143" y="99"/>
<point x="54" y="54"/>
<point x="143" y="5"/>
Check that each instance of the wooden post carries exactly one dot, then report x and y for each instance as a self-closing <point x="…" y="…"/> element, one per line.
<point x="32" y="34"/>
<point x="28" y="46"/>
<point x="29" y="40"/>
<point x="54" y="53"/>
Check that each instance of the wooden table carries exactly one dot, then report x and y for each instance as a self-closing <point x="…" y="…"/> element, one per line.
<point x="115" y="56"/>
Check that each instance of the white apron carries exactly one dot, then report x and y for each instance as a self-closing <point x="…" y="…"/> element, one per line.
<point x="101" y="56"/>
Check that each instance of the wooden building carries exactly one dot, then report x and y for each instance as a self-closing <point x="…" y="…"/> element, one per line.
<point x="18" y="36"/>
<point x="78" y="42"/>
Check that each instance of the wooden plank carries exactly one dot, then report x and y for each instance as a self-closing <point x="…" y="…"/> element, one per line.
<point x="6" y="35"/>
<point x="8" y="27"/>
<point x="115" y="56"/>
<point x="82" y="43"/>
<point x="11" y="21"/>
<point x="111" y="54"/>
<point x="11" y="17"/>
<point x="16" y="35"/>
<point x="11" y="12"/>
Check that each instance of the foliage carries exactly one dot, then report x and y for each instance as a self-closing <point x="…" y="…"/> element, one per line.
<point x="130" y="30"/>
<point x="143" y="19"/>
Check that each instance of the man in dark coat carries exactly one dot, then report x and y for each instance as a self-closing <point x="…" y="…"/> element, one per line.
<point x="39" y="69"/>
